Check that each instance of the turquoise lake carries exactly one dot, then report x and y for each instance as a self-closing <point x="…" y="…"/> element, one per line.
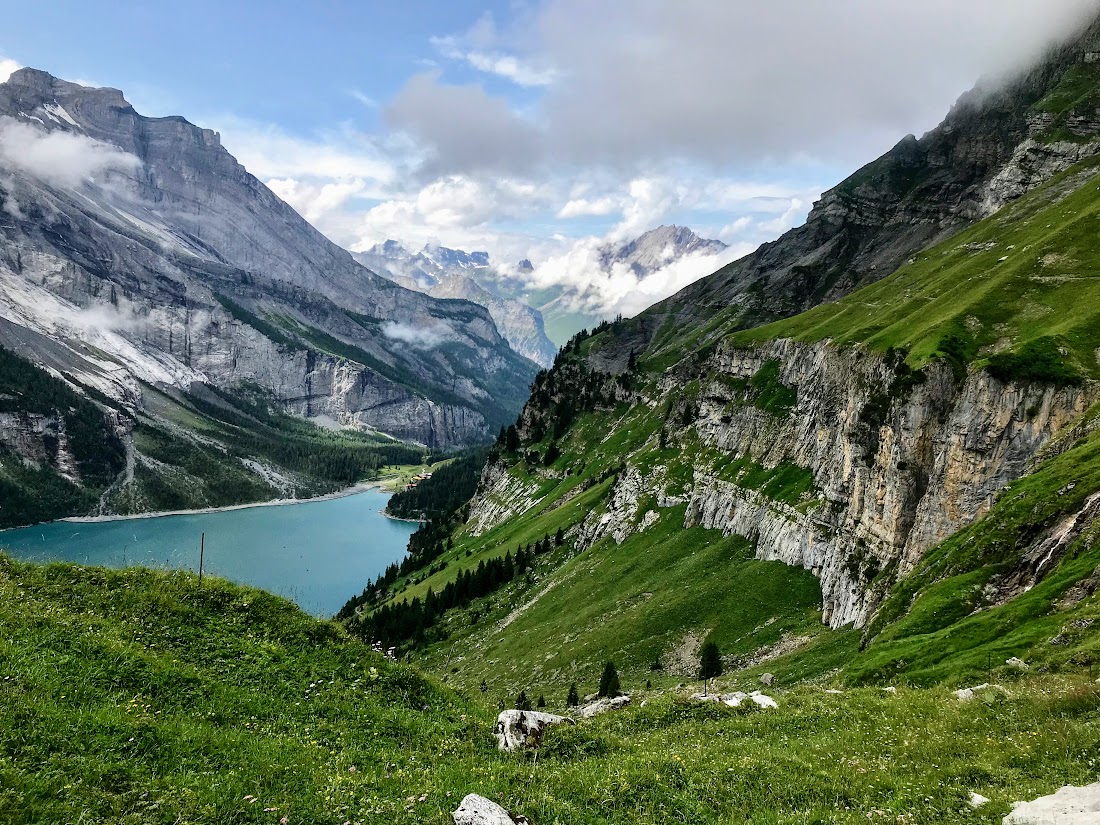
<point x="318" y="553"/>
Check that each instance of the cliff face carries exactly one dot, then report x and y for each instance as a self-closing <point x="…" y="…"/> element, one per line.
<point x="138" y="250"/>
<point x="896" y="466"/>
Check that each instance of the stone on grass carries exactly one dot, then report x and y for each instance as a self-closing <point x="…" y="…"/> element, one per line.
<point x="890" y="689"/>
<point x="705" y="697"/>
<point x="763" y="700"/>
<point x="977" y="800"/>
<point x="1068" y="806"/>
<point x="768" y="679"/>
<point x="524" y="728"/>
<point x="1018" y="664"/>
<point x="735" y="700"/>
<point x="477" y="810"/>
<point x="602" y="706"/>
<point x="970" y="693"/>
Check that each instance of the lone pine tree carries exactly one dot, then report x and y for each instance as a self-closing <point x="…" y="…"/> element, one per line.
<point x="609" y="681"/>
<point x="710" y="663"/>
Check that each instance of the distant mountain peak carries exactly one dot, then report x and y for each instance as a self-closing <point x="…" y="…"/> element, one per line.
<point x="657" y="248"/>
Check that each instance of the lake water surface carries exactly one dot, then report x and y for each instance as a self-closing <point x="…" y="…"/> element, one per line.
<point x="318" y="553"/>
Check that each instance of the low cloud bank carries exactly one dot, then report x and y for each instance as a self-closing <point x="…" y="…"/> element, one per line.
<point x="59" y="158"/>
<point x="418" y="337"/>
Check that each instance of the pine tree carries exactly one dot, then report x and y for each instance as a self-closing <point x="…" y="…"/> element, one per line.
<point x="522" y="702"/>
<point x="511" y="439"/>
<point x="559" y="539"/>
<point x="609" y="682"/>
<point x="541" y="703"/>
<point x="710" y="663"/>
<point x="572" y="699"/>
<point x="484" y="686"/>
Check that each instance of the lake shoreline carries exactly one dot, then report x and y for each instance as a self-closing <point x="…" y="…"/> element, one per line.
<point x="355" y="489"/>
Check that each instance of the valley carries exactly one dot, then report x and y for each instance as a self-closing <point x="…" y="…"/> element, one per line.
<point x="813" y="539"/>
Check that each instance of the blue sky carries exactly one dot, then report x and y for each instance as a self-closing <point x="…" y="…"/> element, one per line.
<point x="543" y="129"/>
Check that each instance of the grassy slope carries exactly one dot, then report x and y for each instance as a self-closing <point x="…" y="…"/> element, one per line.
<point x="136" y="696"/>
<point x="1031" y="271"/>
<point x="1048" y="286"/>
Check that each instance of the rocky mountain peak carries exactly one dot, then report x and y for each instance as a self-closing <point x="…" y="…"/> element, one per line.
<point x="657" y="248"/>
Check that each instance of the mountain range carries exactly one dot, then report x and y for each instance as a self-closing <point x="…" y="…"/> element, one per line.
<point x="535" y="319"/>
<point x="452" y="273"/>
<point x="143" y="266"/>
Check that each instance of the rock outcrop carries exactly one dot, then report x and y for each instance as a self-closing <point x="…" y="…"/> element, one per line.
<point x="601" y="706"/>
<point x="886" y="490"/>
<point x="1067" y="806"/>
<point x="477" y="810"/>
<point x="517" y="729"/>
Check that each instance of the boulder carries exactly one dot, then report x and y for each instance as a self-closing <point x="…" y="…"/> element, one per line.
<point x="477" y="810"/>
<point x="736" y="699"/>
<point x="1018" y="664"/>
<point x="602" y="706"/>
<point x="523" y="728"/>
<point x="705" y="697"/>
<point x="768" y="679"/>
<point x="970" y="693"/>
<point x="1069" y="806"/>
<point x="762" y="700"/>
<point x="890" y="689"/>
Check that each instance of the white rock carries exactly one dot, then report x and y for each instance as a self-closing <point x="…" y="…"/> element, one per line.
<point x="890" y="690"/>
<point x="602" y="706"/>
<point x="705" y="697"/>
<point x="977" y="800"/>
<point x="523" y="728"/>
<point x="477" y="810"/>
<point x="1069" y="806"/>
<point x="1019" y="664"/>
<point x="835" y="692"/>
<point x="968" y="694"/>
<point x="768" y="679"/>
<point x="734" y="700"/>
<point x="762" y="700"/>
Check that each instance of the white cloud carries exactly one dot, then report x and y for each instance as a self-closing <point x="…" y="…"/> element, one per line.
<point x="418" y="337"/>
<point x="317" y="201"/>
<point x="593" y="289"/>
<point x="7" y="66"/>
<point x="739" y="82"/>
<point x="59" y="158"/>
<point x="363" y="98"/>
<point x="507" y="66"/>
<point x="270" y="152"/>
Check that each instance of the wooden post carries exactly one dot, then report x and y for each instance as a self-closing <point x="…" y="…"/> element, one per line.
<point x="202" y="552"/>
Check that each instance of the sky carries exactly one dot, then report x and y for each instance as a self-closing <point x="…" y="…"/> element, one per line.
<point x="544" y="129"/>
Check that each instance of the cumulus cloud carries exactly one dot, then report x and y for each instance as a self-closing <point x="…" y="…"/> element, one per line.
<point x="59" y="158"/>
<point x="596" y="290"/>
<point x="456" y="123"/>
<point x="737" y="82"/>
<point x="425" y="337"/>
<point x="7" y="66"/>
